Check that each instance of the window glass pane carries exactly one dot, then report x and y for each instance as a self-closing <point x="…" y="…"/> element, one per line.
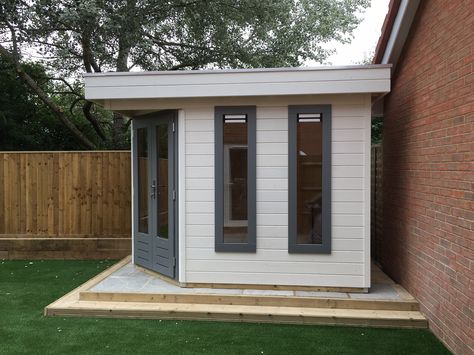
<point x="142" y="153"/>
<point x="309" y="181"/>
<point x="235" y="180"/>
<point x="162" y="138"/>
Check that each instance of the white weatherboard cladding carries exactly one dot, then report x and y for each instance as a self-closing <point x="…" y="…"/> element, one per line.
<point x="349" y="263"/>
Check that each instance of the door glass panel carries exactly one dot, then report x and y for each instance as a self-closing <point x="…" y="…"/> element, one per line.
<point x="309" y="181"/>
<point x="142" y="153"/>
<point x="162" y="166"/>
<point x="235" y="181"/>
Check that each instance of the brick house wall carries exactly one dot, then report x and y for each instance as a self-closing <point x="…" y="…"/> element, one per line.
<point x="428" y="242"/>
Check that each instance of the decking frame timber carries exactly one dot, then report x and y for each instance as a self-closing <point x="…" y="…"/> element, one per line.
<point x="82" y="302"/>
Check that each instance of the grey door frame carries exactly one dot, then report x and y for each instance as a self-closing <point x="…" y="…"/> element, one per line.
<point x="151" y="240"/>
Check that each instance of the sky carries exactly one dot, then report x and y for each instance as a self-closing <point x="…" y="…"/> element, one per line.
<point x="365" y="37"/>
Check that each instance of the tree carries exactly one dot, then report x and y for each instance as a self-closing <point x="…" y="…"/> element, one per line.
<point x="25" y="123"/>
<point x="76" y="36"/>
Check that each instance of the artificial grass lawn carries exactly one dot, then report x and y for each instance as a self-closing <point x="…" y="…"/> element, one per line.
<point x="26" y="287"/>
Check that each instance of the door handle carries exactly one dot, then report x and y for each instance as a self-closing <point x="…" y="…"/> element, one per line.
<point x="153" y="189"/>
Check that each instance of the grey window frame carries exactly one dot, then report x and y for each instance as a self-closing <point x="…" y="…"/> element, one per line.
<point x="325" y="246"/>
<point x="251" y="112"/>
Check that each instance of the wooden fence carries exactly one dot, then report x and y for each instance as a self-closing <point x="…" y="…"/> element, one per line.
<point x="65" y="204"/>
<point x="376" y="218"/>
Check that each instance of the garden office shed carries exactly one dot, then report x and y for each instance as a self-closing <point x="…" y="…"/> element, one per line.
<point x="252" y="176"/>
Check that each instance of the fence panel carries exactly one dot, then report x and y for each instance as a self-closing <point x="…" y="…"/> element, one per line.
<point x="74" y="196"/>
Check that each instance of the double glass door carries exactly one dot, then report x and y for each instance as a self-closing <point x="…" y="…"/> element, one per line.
<point x="154" y="175"/>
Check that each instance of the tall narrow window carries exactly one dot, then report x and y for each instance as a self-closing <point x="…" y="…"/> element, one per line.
<point x="162" y="169"/>
<point x="235" y="224"/>
<point x="309" y="188"/>
<point x="142" y="160"/>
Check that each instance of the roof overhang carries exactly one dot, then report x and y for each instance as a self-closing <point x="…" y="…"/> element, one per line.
<point x="395" y="31"/>
<point x="102" y="87"/>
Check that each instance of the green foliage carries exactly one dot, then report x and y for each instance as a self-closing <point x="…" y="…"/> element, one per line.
<point x="155" y="35"/>
<point x="27" y="287"/>
<point x="377" y="130"/>
<point x="25" y="124"/>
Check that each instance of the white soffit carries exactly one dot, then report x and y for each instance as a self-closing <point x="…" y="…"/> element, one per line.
<point x="243" y="82"/>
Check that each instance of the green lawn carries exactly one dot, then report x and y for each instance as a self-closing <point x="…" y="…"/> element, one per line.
<point x="27" y="286"/>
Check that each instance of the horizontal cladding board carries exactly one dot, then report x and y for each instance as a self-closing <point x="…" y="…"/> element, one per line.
<point x="272" y="148"/>
<point x="276" y="255"/>
<point x="282" y="231"/>
<point x="199" y="125"/>
<point x="348" y="220"/>
<point x="348" y="196"/>
<point x="275" y="279"/>
<point x="356" y="111"/>
<point x="348" y="135"/>
<point x="278" y="219"/>
<point x="199" y="137"/>
<point x="265" y="160"/>
<point x="199" y="172"/>
<point x="347" y="207"/>
<point x="265" y="219"/>
<point x="272" y="184"/>
<point x="348" y="171"/>
<point x="272" y="195"/>
<point x="273" y="172"/>
<point x="347" y="147"/>
<point x="200" y="195"/>
<point x="347" y="183"/>
<point x="199" y="160"/>
<point x="272" y="207"/>
<point x="244" y="89"/>
<point x="271" y="219"/>
<point x="347" y="159"/>
<point x="276" y="124"/>
<point x="342" y="208"/>
<point x="350" y="122"/>
<point x="197" y="149"/>
<point x="279" y="243"/>
<point x="279" y="136"/>
<point x="200" y="230"/>
<point x="279" y="160"/>
<point x="267" y="136"/>
<point x="200" y="218"/>
<point x="199" y="207"/>
<point x="276" y="267"/>
<point x="199" y="184"/>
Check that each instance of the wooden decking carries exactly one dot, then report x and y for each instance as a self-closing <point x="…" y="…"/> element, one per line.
<point x="89" y="300"/>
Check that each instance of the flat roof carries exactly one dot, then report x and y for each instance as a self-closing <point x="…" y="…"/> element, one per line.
<point x="374" y="78"/>
<point x="247" y="70"/>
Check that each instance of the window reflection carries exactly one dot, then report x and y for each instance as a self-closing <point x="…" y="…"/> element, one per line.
<point x="235" y="179"/>
<point x="309" y="179"/>
<point x="162" y="144"/>
<point x="142" y="148"/>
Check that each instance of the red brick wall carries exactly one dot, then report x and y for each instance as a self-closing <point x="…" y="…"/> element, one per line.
<point x="428" y="197"/>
